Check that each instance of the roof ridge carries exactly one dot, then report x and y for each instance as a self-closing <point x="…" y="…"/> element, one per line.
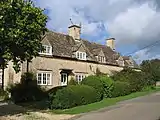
<point x="59" y="33"/>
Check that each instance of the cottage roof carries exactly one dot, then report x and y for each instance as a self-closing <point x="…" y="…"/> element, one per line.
<point x="65" y="46"/>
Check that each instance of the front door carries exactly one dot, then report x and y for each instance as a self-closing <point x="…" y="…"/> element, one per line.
<point x="64" y="79"/>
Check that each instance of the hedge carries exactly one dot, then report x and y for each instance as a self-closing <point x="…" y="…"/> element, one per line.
<point x="95" y="82"/>
<point x="72" y="96"/>
<point x="107" y="85"/>
<point x="120" y="89"/>
<point x="136" y="80"/>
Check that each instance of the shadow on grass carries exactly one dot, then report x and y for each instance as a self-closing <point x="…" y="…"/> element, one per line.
<point x="8" y="108"/>
<point x="38" y="105"/>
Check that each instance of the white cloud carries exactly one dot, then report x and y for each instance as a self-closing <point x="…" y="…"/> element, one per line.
<point x="129" y="27"/>
<point x="129" y="21"/>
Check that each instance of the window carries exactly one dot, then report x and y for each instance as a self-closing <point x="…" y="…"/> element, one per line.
<point x="79" y="78"/>
<point x="44" y="78"/>
<point x="47" y="50"/>
<point x="121" y="62"/>
<point x="81" y="55"/>
<point x="101" y="59"/>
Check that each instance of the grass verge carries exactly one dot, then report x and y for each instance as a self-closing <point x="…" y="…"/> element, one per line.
<point x="104" y="103"/>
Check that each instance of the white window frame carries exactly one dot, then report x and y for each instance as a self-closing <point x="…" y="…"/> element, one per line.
<point x="101" y="59"/>
<point x="81" y="55"/>
<point x="79" y="77"/>
<point x="121" y="62"/>
<point x="47" y="50"/>
<point x="66" y="77"/>
<point x="48" y="81"/>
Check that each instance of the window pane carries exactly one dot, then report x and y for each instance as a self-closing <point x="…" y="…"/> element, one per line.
<point x="82" y="77"/>
<point x="48" y="49"/>
<point x="77" y="54"/>
<point x="79" y="78"/>
<point x="83" y="55"/>
<point x="80" y="55"/>
<point x="44" y="49"/>
<point x="61" y="77"/>
<point x="48" y="78"/>
<point x="39" y="79"/>
<point x="76" y="77"/>
<point x="65" y="77"/>
<point x="44" y="79"/>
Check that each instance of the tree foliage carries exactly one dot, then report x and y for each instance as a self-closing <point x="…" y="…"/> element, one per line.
<point x="21" y="28"/>
<point x="152" y="68"/>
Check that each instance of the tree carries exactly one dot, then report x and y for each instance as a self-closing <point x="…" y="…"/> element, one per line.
<point x="22" y="26"/>
<point x="152" y="68"/>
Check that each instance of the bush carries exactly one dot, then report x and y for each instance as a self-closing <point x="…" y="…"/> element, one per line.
<point x="95" y="82"/>
<point x="27" y="90"/>
<point x="136" y="80"/>
<point x="72" y="96"/>
<point x="3" y="94"/>
<point x="72" y="82"/>
<point x="107" y="85"/>
<point x="120" y="89"/>
<point x="52" y="92"/>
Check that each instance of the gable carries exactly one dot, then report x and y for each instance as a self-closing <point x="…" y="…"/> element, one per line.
<point x="101" y="53"/>
<point x="45" y="42"/>
<point x="81" y="48"/>
<point x="120" y="58"/>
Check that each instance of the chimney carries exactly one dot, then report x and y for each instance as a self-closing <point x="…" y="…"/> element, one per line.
<point x="74" y="31"/>
<point x="110" y="42"/>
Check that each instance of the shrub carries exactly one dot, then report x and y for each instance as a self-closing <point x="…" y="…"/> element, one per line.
<point x="136" y="80"/>
<point x="3" y="94"/>
<point x="72" y="96"/>
<point x="72" y="82"/>
<point x="120" y="89"/>
<point x="95" y="82"/>
<point x="107" y="85"/>
<point x="27" y="90"/>
<point x="52" y="92"/>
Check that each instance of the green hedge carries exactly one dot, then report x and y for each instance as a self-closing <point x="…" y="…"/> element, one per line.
<point x="73" y="95"/>
<point x="107" y="85"/>
<point x="136" y="80"/>
<point x="95" y="82"/>
<point x="120" y="89"/>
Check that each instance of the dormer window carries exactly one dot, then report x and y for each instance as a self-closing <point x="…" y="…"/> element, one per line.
<point x="121" y="62"/>
<point x="81" y="55"/>
<point x="101" y="59"/>
<point x="47" y="50"/>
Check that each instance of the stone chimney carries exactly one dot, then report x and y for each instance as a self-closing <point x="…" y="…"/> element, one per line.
<point x="110" y="42"/>
<point x="74" y="31"/>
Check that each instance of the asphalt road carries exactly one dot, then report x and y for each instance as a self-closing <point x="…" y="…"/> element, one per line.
<point x="143" y="108"/>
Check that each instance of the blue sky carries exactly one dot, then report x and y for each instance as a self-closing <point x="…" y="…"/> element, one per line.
<point x="133" y="23"/>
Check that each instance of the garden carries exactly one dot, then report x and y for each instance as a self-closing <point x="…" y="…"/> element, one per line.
<point x="94" y="92"/>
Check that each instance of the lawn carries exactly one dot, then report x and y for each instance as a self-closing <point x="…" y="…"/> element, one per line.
<point x="104" y="103"/>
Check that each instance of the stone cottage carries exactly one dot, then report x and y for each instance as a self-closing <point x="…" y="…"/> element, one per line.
<point x="67" y="56"/>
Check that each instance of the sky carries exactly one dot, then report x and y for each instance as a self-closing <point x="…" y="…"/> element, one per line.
<point x="134" y="24"/>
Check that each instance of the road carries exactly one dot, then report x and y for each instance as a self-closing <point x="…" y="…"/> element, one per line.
<point x="143" y="108"/>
